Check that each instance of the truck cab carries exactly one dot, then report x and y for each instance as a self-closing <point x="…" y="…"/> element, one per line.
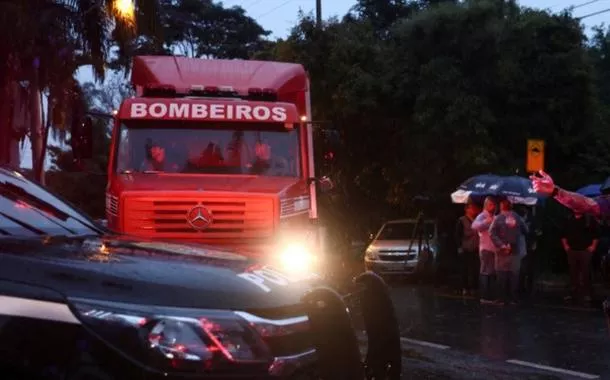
<point x="217" y="152"/>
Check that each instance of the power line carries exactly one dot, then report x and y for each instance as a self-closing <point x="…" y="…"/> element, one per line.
<point x="583" y="4"/>
<point x="594" y="13"/>
<point x="274" y="9"/>
<point x="573" y="6"/>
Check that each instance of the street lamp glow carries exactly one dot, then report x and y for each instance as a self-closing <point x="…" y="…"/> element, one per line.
<point x="124" y="10"/>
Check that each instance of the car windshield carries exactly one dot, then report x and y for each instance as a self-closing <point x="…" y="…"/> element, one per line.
<point x="404" y="231"/>
<point x="26" y="209"/>
<point x="267" y="149"/>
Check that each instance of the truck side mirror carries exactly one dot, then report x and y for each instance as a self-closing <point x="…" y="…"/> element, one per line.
<point x="326" y="184"/>
<point x="332" y="140"/>
<point x="82" y="139"/>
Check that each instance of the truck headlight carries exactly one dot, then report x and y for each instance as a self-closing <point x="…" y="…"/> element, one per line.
<point x="297" y="257"/>
<point x="176" y="339"/>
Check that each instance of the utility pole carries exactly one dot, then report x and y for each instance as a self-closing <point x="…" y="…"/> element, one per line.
<point x="319" y="13"/>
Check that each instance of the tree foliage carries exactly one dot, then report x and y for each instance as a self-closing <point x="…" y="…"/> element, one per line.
<point x="86" y="187"/>
<point x="426" y="94"/>
<point x="45" y="42"/>
<point x="199" y="28"/>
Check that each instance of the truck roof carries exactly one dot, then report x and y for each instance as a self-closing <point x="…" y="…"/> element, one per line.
<point x="183" y="72"/>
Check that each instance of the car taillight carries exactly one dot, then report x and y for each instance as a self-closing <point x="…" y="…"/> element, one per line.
<point x="176" y="339"/>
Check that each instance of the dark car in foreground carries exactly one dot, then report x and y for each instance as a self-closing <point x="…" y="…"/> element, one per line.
<point x="77" y="302"/>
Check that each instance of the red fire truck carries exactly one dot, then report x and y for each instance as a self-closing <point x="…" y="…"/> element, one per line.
<point x="218" y="152"/>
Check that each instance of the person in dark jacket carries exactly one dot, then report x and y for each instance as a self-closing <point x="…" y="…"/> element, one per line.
<point x="530" y="261"/>
<point x="599" y="207"/>
<point x="579" y="240"/>
<point x="467" y="241"/>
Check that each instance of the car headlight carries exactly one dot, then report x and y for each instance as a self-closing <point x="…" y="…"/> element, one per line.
<point x="180" y="340"/>
<point x="371" y="254"/>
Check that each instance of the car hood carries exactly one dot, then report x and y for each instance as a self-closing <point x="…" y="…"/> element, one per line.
<point x="396" y="245"/>
<point x="204" y="182"/>
<point x="140" y="272"/>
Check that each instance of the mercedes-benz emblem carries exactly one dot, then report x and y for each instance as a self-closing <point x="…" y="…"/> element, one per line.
<point x="199" y="217"/>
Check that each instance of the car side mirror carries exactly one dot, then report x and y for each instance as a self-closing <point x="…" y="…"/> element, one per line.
<point x="81" y="139"/>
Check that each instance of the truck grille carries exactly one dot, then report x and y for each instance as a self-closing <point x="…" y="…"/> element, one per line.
<point x="156" y="217"/>
<point x="112" y="204"/>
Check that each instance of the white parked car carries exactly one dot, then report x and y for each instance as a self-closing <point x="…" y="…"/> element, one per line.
<point x="404" y="247"/>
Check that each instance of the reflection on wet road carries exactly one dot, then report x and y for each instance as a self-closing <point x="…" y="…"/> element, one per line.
<point x="574" y="340"/>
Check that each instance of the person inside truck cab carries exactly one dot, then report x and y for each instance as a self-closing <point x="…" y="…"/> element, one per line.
<point x="268" y="161"/>
<point x="155" y="158"/>
<point x="237" y="153"/>
<point x="262" y="158"/>
<point x="211" y="156"/>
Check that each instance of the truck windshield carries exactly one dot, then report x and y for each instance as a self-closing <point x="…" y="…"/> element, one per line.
<point x="208" y="148"/>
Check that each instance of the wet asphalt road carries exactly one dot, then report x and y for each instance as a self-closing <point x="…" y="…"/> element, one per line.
<point x="451" y="337"/>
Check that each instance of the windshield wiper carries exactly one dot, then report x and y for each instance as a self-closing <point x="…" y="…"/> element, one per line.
<point x="16" y="193"/>
<point x="22" y="224"/>
<point x="69" y="238"/>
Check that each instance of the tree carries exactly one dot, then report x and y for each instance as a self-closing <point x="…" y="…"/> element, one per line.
<point x="86" y="188"/>
<point x="382" y="14"/>
<point x="49" y="41"/>
<point x="109" y="96"/>
<point x="200" y="28"/>
<point x="431" y="93"/>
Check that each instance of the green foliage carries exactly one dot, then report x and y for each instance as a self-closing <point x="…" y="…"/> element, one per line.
<point x="199" y="28"/>
<point x="85" y="186"/>
<point x="426" y="94"/>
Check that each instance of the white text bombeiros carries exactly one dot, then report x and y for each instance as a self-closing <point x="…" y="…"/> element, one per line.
<point x="237" y="112"/>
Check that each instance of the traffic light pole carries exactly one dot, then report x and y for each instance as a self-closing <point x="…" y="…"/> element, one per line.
<point x="319" y="13"/>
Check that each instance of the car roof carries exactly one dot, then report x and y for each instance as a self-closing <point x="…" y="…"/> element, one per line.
<point x="411" y="220"/>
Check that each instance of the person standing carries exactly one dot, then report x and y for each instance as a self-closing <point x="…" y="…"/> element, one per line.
<point x="487" y="249"/>
<point x="529" y="261"/>
<point x="599" y="207"/>
<point x="468" y="249"/>
<point x="579" y="240"/>
<point x="507" y="232"/>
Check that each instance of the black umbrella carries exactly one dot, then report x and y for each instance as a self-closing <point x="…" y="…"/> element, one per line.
<point x="517" y="189"/>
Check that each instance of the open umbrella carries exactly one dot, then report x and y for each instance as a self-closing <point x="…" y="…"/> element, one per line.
<point x="517" y="189"/>
<point x="593" y="190"/>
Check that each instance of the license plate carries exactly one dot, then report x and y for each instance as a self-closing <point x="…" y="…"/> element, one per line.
<point x="393" y="268"/>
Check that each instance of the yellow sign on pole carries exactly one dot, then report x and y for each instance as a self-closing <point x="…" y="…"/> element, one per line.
<point x="535" y="155"/>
